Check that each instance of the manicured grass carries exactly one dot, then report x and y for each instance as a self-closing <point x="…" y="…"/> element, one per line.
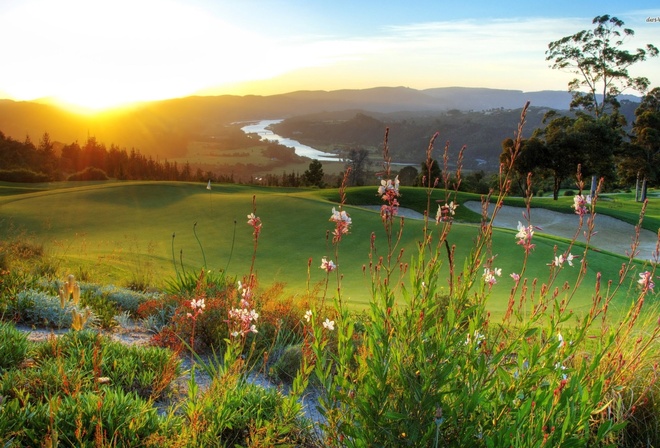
<point x="118" y="230"/>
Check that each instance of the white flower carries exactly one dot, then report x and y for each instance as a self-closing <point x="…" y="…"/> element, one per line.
<point x="308" y="315"/>
<point x="490" y="274"/>
<point x="329" y="324"/>
<point x="524" y="232"/>
<point x="569" y="259"/>
<point x="328" y="266"/>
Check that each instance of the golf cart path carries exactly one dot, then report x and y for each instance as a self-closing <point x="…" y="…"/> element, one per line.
<point x="611" y="234"/>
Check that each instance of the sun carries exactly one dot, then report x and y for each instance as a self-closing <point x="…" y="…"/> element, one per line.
<point x="95" y="55"/>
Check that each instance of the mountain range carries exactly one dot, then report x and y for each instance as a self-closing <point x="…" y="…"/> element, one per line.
<point x="164" y="128"/>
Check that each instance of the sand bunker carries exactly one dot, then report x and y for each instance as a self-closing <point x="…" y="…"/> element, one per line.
<point x="612" y="234"/>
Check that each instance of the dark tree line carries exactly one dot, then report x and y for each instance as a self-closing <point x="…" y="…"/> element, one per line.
<point x="25" y="161"/>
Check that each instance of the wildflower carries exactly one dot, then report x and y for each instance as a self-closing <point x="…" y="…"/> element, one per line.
<point x="646" y="281"/>
<point x="329" y="324"/>
<point x="524" y="235"/>
<point x="389" y="188"/>
<point x="308" y="315"/>
<point x="580" y="203"/>
<point x="255" y="222"/>
<point x="243" y="318"/>
<point x="560" y="338"/>
<point x="342" y="223"/>
<point x="515" y="277"/>
<point x="389" y="191"/>
<point x="569" y="259"/>
<point x="197" y="306"/>
<point x="560" y="259"/>
<point x="478" y="338"/>
<point x="328" y="266"/>
<point x="245" y="291"/>
<point x="491" y="274"/>
<point x="446" y="212"/>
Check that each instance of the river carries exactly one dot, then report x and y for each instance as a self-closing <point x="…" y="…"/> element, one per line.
<point x="260" y="128"/>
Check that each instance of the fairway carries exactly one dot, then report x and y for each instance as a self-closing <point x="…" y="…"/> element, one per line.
<point x="115" y="231"/>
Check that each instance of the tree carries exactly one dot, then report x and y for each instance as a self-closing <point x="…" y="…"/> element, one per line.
<point x="601" y="64"/>
<point x="408" y="175"/>
<point x="47" y="158"/>
<point x="358" y="162"/>
<point x="641" y="156"/>
<point x="566" y="142"/>
<point x="314" y="175"/>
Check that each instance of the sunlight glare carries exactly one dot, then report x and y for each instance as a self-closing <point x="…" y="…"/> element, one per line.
<point x="99" y="54"/>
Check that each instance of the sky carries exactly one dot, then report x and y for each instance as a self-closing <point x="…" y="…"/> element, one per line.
<point x="102" y="53"/>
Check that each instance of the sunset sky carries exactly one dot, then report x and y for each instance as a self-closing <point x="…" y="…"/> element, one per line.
<point x="99" y="53"/>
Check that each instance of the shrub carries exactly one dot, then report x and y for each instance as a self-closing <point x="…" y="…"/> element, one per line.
<point x="285" y="368"/>
<point x="23" y="175"/>
<point x="13" y="346"/>
<point x="89" y="173"/>
<point x="569" y="193"/>
<point x="40" y="308"/>
<point x="233" y="412"/>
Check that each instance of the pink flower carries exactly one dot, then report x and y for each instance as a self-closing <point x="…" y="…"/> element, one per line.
<point x="524" y="235"/>
<point x="389" y="191"/>
<point x="446" y="212"/>
<point x="515" y="277"/>
<point x="197" y="306"/>
<point x="255" y="222"/>
<point x="328" y="266"/>
<point x="490" y="275"/>
<point x="389" y="188"/>
<point x="580" y="203"/>
<point x="342" y="223"/>
<point x="243" y="319"/>
<point x="646" y="281"/>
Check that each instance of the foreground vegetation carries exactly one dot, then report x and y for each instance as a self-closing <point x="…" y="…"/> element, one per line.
<point x="468" y="336"/>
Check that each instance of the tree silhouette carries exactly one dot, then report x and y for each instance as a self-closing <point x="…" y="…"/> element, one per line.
<point x="314" y="175"/>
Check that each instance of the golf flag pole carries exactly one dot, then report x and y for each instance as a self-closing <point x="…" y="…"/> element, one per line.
<point x="208" y="187"/>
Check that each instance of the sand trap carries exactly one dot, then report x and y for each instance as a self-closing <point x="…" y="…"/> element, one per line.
<point x="612" y="235"/>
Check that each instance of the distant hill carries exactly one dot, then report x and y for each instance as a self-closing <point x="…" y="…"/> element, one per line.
<point x="164" y="128"/>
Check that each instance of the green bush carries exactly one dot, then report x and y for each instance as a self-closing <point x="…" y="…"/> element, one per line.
<point x="233" y="412"/>
<point x="287" y="365"/>
<point x="13" y="346"/>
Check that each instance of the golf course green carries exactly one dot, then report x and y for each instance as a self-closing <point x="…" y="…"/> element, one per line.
<point x="118" y="232"/>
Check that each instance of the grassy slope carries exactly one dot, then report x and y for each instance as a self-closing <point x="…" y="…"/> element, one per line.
<point x="117" y="230"/>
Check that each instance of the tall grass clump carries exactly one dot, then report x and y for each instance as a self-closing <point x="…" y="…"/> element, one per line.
<point x="431" y="367"/>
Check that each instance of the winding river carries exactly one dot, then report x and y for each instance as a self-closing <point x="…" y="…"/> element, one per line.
<point x="261" y="128"/>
